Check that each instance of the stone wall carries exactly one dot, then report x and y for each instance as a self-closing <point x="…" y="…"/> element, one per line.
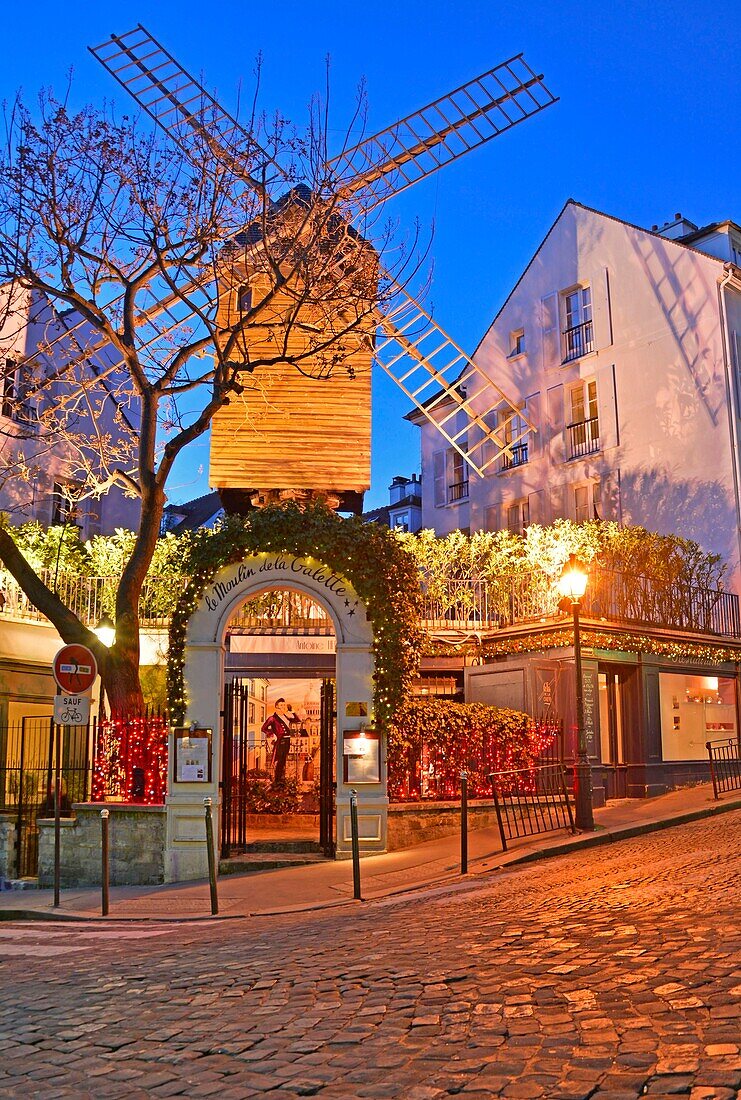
<point x="415" y="822"/>
<point x="137" y="837"/>
<point x="7" y="846"/>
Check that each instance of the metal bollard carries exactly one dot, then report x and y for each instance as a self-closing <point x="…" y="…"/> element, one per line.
<point x="104" y="870"/>
<point x="211" y="857"/>
<point x="464" y="823"/>
<point x="57" y="813"/>
<point x="355" y="845"/>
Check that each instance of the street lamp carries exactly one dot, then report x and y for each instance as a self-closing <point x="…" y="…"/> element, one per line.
<point x="572" y="585"/>
<point x="105" y="631"/>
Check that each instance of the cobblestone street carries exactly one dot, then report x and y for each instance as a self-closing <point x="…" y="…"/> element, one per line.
<point x="613" y="972"/>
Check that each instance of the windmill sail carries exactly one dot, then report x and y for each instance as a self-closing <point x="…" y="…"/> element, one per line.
<point x="455" y="394"/>
<point x="439" y="133"/>
<point x="177" y="102"/>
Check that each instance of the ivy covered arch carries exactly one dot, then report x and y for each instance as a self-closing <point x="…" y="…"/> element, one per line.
<point x="382" y="572"/>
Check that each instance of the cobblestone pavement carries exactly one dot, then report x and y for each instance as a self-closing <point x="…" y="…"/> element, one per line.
<point x="612" y="972"/>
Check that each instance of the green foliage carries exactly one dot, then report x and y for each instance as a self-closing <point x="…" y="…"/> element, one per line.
<point x="261" y="797"/>
<point x="368" y="555"/>
<point x="667" y="559"/>
<point x="456" y="737"/>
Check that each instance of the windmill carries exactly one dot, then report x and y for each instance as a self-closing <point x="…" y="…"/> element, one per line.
<point x="254" y="458"/>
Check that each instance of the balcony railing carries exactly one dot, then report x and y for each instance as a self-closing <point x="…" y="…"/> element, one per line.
<point x="578" y="340"/>
<point x="612" y="596"/>
<point x="517" y="458"/>
<point x="458" y="491"/>
<point x="448" y="604"/>
<point x="583" y="437"/>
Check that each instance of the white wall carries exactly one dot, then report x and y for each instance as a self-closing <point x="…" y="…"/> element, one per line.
<point x="664" y="459"/>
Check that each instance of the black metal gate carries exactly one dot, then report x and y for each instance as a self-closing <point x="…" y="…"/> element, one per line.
<point x="326" y="770"/>
<point x="27" y="767"/>
<point x="246" y="771"/>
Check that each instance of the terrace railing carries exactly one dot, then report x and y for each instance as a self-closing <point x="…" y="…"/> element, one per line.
<point x="454" y="603"/>
<point x="612" y="596"/>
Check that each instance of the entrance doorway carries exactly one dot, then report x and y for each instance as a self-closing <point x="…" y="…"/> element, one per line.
<point x="280" y="658"/>
<point x="612" y="730"/>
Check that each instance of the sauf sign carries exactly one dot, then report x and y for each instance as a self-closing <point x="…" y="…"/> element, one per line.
<point x="75" y="670"/>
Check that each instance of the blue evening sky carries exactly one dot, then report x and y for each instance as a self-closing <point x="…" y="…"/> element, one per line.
<point x="647" y="122"/>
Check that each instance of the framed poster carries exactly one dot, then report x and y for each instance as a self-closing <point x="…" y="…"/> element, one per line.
<point x="361" y="756"/>
<point x="192" y="756"/>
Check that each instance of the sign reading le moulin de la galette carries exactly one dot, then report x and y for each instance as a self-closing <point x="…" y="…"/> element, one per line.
<point x="275" y="568"/>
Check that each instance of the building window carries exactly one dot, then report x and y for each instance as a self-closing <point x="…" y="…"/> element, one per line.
<point x="492" y="521"/>
<point x="450" y="477"/>
<point x="401" y="522"/>
<point x="514" y="431"/>
<point x="518" y="517"/>
<point x="63" y="503"/>
<point x="9" y="387"/>
<point x="587" y="502"/>
<point x="578" y="330"/>
<point x="244" y="298"/>
<point x="583" y="429"/>
<point x="695" y="710"/>
<point x="517" y="343"/>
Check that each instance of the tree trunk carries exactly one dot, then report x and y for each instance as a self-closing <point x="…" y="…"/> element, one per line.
<point x="119" y="674"/>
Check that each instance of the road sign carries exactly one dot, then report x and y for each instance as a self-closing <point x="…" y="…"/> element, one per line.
<point x="75" y="669"/>
<point x="72" y="710"/>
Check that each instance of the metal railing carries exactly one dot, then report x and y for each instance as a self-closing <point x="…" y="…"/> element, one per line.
<point x="725" y="765"/>
<point x="529" y="801"/>
<point x="90" y="598"/>
<point x="611" y="596"/>
<point x="517" y="458"/>
<point x="583" y="437"/>
<point x="458" y="491"/>
<point x="578" y="340"/>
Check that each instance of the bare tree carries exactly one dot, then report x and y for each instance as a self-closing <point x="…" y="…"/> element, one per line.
<point x="126" y="253"/>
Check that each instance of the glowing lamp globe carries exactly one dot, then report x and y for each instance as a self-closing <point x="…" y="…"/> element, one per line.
<point x="105" y="632"/>
<point x="573" y="580"/>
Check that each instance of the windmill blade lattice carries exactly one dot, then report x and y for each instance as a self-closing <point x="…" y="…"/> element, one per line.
<point x="449" y="388"/>
<point x="439" y="133"/>
<point x="176" y="101"/>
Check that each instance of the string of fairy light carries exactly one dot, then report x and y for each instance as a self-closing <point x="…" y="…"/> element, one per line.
<point x="130" y="759"/>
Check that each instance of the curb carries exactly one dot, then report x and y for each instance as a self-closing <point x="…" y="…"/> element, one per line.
<point x="593" y="840"/>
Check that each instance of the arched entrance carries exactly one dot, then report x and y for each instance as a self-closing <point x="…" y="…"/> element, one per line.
<point x="205" y="663"/>
<point x="280" y="653"/>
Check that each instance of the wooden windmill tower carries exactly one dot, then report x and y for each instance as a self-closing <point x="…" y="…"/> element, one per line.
<point x="298" y="433"/>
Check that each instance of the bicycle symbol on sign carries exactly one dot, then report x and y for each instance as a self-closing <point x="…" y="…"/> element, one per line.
<point x="71" y="716"/>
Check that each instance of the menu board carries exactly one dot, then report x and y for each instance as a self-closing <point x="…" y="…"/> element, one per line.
<point x="192" y="755"/>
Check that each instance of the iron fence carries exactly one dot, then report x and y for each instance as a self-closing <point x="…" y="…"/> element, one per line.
<point x="583" y="437"/>
<point x="578" y="340"/>
<point x="27" y="769"/>
<point x="530" y="801"/>
<point x="725" y="766"/>
<point x="90" y="598"/>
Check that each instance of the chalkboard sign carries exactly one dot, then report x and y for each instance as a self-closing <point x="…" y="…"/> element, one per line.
<point x="591" y="695"/>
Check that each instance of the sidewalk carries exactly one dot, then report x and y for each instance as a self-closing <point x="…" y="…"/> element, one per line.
<point x="432" y="866"/>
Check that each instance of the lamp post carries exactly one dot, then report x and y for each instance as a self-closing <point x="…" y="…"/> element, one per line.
<point x="572" y="585"/>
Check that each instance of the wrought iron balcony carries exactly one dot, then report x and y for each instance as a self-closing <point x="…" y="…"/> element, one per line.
<point x="583" y="437"/>
<point x="517" y="458"/>
<point x="577" y="341"/>
<point x="612" y="596"/>
<point x="458" y="491"/>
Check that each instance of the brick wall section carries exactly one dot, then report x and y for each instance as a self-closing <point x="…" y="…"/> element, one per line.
<point x="137" y="846"/>
<point x="7" y="846"/>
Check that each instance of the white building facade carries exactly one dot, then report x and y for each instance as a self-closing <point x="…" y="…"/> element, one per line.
<point x="622" y="347"/>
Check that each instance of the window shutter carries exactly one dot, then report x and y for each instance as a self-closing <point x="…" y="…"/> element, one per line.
<point x="607" y="411"/>
<point x="492" y="520"/>
<point x="558" y="502"/>
<point x="534" y="438"/>
<point x="535" y="506"/>
<point x="550" y="331"/>
<point x="556" y="423"/>
<point x="601" y="309"/>
<point x="438" y="477"/>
